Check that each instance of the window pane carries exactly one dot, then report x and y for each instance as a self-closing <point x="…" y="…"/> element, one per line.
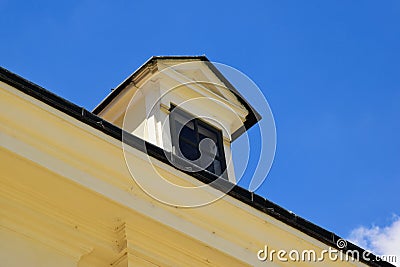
<point x="208" y="147"/>
<point x="211" y="168"/>
<point x="187" y="132"/>
<point x="206" y="160"/>
<point x="211" y="145"/>
<point x="188" y="151"/>
<point x="217" y="167"/>
<point x="204" y="132"/>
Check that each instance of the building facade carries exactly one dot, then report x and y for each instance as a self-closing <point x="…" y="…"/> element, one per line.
<point x="81" y="188"/>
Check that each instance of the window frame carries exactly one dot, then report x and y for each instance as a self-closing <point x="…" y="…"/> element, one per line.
<point x="196" y="123"/>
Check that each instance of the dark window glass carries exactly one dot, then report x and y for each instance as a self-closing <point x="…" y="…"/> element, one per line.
<point x="197" y="142"/>
<point x="188" y="150"/>
<point x="187" y="132"/>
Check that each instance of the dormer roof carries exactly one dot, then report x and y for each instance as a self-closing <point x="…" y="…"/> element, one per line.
<point x="152" y="65"/>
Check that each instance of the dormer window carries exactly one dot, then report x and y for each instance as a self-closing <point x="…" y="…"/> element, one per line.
<point x="209" y="111"/>
<point x="196" y="144"/>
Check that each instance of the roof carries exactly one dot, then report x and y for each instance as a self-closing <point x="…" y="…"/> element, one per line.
<point x="252" y="118"/>
<point x="237" y="192"/>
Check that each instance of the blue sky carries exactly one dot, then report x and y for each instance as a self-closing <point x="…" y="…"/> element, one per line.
<point x="329" y="69"/>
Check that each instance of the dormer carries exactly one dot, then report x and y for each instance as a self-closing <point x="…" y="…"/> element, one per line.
<point x="184" y="105"/>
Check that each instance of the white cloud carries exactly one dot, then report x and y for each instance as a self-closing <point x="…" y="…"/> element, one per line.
<point x="379" y="240"/>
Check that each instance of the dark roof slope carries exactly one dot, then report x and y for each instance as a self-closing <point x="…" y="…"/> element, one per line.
<point x="252" y="118"/>
<point x="241" y="194"/>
